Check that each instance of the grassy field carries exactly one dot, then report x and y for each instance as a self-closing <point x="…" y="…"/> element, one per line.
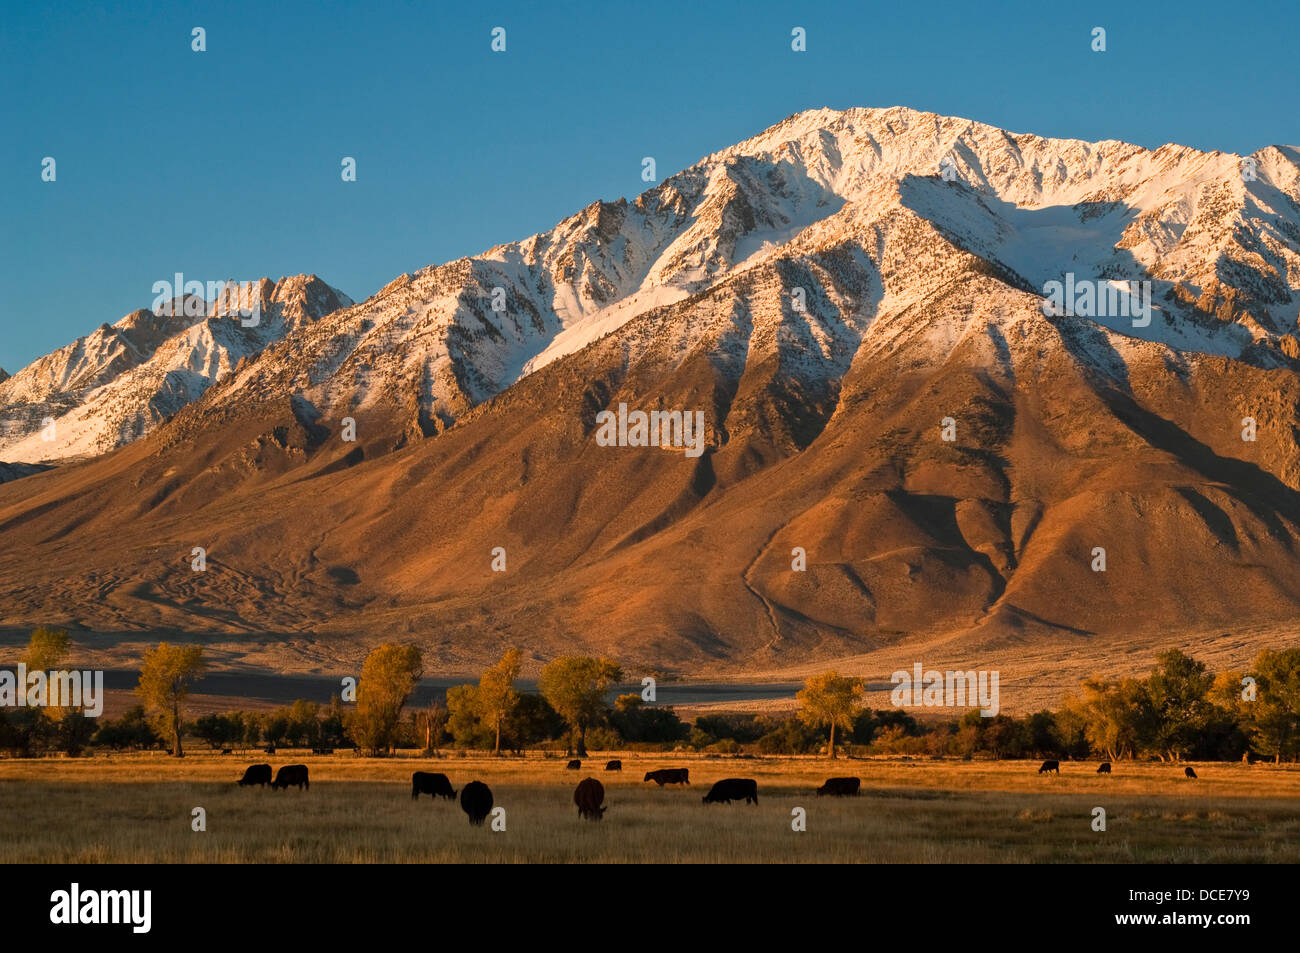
<point x="138" y="809"/>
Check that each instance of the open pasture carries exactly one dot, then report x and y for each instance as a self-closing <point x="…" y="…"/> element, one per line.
<point x="138" y="808"/>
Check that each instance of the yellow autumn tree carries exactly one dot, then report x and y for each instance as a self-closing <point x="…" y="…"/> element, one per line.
<point x="166" y="673"/>
<point x="829" y="699"/>
<point x="496" y="693"/>
<point x="388" y="677"/>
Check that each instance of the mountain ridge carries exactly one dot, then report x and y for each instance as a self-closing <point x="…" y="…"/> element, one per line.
<point x="920" y="301"/>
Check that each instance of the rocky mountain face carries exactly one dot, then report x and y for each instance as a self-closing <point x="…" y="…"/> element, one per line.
<point x="120" y="381"/>
<point x="958" y="384"/>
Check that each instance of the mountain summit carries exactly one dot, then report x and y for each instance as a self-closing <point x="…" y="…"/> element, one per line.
<point x="960" y="387"/>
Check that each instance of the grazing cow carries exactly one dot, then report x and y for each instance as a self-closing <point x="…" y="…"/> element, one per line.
<point x="270" y="749"/>
<point x="668" y="776"/>
<point x="1103" y="768"/>
<point x="589" y="796"/>
<point x="322" y="750"/>
<point x="227" y="750"/>
<point x="1189" y="772"/>
<point x="432" y="784"/>
<point x="291" y="775"/>
<point x="840" y="787"/>
<point x="574" y="765"/>
<point x="614" y="766"/>
<point x="732" y="789"/>
<point x="256" y="774"/>
<point x="1050" y="766"/>
<point x="476" y="801"/>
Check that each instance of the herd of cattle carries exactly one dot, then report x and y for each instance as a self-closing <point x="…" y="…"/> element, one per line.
<point x="589" y="796"/>
<point x="1050" y="767"/>
<point x="476" y="797"/>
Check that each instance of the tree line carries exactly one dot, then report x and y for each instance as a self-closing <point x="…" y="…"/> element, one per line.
<point x="1179" y="711"/>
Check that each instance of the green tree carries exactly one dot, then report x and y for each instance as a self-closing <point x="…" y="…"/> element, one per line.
<point x="634" y="720"/>
<point x="463" y="720"/>
<point x="132" y="730"/>
<point x="1179" y="691"/>
<point x="829" y="699"/>
<point x="213" y="730"/>
<point x="25" y="732"/>
<point x="533" y="721"/>
<point x="166" y="673"/>
<point x="253" y="728"/>
<point x="235" y="728"/>
<point x="496" y="694"/>
<point x="1274" y="715"/>
<point x="790" y="736"/>
<point x="332" y="725"/>
<point x="304" y="723"/>
<point x="275" y="728"/>
<point x="575" y="686"/>
<point x="388" y="677"/>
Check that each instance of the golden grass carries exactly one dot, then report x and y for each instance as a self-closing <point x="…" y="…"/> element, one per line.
<point x="138" y="809"/>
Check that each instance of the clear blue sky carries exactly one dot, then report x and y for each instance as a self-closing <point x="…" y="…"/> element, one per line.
<point x="226" y="163"/>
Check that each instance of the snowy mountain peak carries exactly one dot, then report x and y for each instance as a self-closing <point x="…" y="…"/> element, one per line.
<point x="119" y="381"/>
<point x="839" y="207"/>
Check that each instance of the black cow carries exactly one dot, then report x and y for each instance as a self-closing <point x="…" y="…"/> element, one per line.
<point x="732" y="789"/>
<point x="322" y="750"/>
<point x="574" y="765"/>
<point x="291" y="775"/>
<point x="432" y="784"/>
<point x="227" y="750"/>
<point x="668" y="776"/>
<point x="1189" y="772"/>
<point x="840" y="787"/>
<point x="589" y="796"/>
<point x="270" y="749"/>
<point x="1050" y="766"/>
<point x="256" y="774"/>
<point x="476" y="801"/>
<point x="614" y="766"/>
<point x="1103" y="768"/>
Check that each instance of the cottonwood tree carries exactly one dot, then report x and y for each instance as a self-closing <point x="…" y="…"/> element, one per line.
<point x="829" y="699"/>
<point x="496" y="694"/>
<point x="166" y="673"/>
<point x="388" y="677"/>
<point x="1117" y="716"/>
<point x="575" y="686"/>
<point x="1274" y="715"/>
<point x="1179" y="691"/>
<point x="46" y="649"/>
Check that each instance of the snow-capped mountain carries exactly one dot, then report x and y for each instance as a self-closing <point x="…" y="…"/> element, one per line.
<point x="862" y="305"/>
<point x="117" y="383"/>
<point x="1216" y="234"/>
